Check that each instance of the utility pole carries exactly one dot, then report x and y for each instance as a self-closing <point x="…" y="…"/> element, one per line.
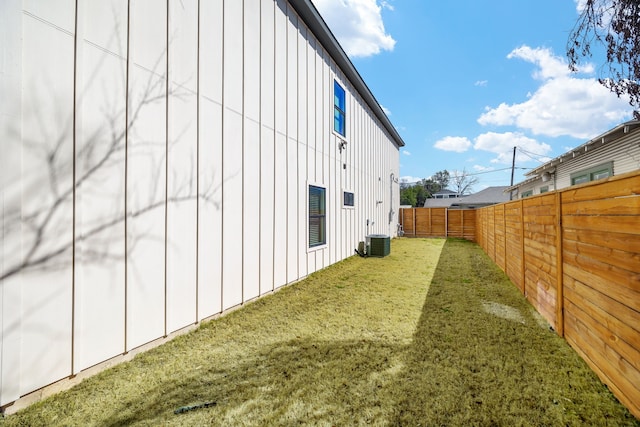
<point x="513" y="168"/>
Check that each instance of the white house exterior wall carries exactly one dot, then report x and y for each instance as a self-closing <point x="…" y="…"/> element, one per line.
<point x="156" y="157"/>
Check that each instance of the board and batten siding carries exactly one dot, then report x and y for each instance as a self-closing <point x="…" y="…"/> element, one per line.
<point x="155" y="171"/>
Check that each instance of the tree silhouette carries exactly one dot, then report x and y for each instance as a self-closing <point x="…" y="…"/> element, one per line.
<point x="615" y="24"/>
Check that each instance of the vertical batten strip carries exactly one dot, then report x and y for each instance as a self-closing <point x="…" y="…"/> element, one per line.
<point x="76" y="41"/>
<point x="126" y="180"/>
<point x="166" y="170"/>
<point x="197" y="294"/>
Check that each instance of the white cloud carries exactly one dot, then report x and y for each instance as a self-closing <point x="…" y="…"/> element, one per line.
<point x="480" y="168"/>
<point x="563" y="104"/>
<point x="459" y="144"/>
<point x="357" y="24"/>
<point x="409" y="179"/>
<point x="406" y="153"/>
<point x="502" y="144"/>
<point x="481" y="83"/>
<point x="386" y="110"/>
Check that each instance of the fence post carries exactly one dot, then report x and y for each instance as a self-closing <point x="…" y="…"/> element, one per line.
<point x="414" y="223"/>
<point x="522" y="264"/>
<point x="446" y="222"/>
<point x="559" y="268"/>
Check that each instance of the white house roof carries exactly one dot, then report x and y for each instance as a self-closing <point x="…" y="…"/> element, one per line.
<point x="320" y="29"/>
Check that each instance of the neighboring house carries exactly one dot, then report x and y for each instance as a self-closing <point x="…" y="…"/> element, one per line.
<point x="488" y="196"/>
<point x="615" y="152"/>
<point x="165" y="161"/>
<point x="450" y="199"/>
<point x="442" y="199"/>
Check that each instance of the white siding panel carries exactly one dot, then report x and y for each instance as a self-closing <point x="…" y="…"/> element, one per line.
<point x="100" y="195"/>
<point x="60" y="13"/>
<point x="182" y="172"/>
<point x="210" y="215"/>
<point x="252" y="59"/>
<point x="211" y="44"/>
<point x="251" y="212"/>
<point x="280" y="212"/>
<point x="292" y="210"/>
<point x="146" y="175"/>
<point x="233" y="55"/>
<point x="280" y="67"/>
<point x="232" y="210"/>
<point x="10" y="197"/>
<point x="267" y="64"/>
<point x="267" y="194"/>
<point x="292" y="74"/>
<point x="47" y="174"/>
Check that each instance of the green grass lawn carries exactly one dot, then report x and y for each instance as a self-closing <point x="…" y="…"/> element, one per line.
<point x="432" y="335"/>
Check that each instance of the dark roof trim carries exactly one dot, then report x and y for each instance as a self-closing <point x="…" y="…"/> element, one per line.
<point x="320" y="29"/>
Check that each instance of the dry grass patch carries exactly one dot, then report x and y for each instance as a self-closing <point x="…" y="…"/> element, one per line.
<point x="433" y="334"/>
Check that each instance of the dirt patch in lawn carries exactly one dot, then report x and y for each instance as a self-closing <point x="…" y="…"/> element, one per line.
<point x="433" y="334"/>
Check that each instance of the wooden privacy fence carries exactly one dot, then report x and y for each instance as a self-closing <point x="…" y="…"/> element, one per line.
<point x="575" y="255"/>
<point x="438" y="222"/>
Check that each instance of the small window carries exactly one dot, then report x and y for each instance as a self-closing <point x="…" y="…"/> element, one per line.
<point x="528" y="193"/>
<point x="339" y="109"/>
<point x="592" y="174"/>
<point x="317" y="216"/>
<point x="348" y="199"/>
<point x="544" y="189"/>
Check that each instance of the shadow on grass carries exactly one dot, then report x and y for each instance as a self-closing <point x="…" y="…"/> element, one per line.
<point x="481" y="355"/>
<point x="297" y="382"/>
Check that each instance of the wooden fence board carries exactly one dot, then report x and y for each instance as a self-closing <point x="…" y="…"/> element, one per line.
<point x="621" y="224"/>
<point x="623" y="185"/>
<point x="606" y="238"/>
<point x="620" y="336"/>
<point x="624" y="205"/>
<point x="611" y="383"/>
<point x="619" y="258"/>
<point x="618" y="291"/>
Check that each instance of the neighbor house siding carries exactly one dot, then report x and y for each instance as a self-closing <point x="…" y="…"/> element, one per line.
<point x="155" y="171"/>
<point x="625" y="155"/>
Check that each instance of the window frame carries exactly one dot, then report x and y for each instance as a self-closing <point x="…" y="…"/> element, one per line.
<point x="322" y="243"/>
<point x="527" y="193"/>
<point x="340" y="110"/>
<point x="353" y="199"/>
<point x="587" y="175"/>
<point x="544" y="189"/>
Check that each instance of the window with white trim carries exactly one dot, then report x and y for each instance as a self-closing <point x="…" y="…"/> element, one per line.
<point x="348" y="199"/>
<point x="317" y="216"/>
<point x="604" y="170"/>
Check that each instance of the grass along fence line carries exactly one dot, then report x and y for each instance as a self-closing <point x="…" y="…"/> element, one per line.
<point x="434" y="334"/>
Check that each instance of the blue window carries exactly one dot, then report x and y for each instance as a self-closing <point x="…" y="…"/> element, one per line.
<point x="317" y="216"/>
<point x="339" y="109"/>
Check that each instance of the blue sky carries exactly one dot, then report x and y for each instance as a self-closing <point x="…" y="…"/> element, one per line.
<point x="465" y="81"/>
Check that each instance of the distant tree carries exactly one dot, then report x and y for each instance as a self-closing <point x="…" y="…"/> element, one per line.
<point x="462" y="182"/>
<point x="421" y="195"/>
<point x="614" y="24"/>
<point x="431" y="187"/>
<point x="442" y="178"/>
<point x="408" y="196"/>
